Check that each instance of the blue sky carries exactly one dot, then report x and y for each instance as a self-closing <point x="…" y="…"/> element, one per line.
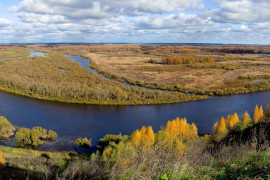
<point x="135" y="21"/>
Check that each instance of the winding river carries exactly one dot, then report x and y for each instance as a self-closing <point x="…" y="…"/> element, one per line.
<point x="71" y="121"/>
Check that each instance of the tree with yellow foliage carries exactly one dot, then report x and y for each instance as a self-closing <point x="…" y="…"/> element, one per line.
<point x="261" y="112"/>
<point x="181" y="129"/>
<point x="214" y="129"/>
<point x="228" y="120"/>
<point x="2" y="161"/>
<point x="246" y="118"/>
<point x="221" y="130"/>
<point x="235" y="118"/>
<point x="193" y="131"/>
<point x="256" y="115"/>
<point x="150" y="134"/>
<point x="231" y="121"/>
<point x="135" y="138"/>
<point x="143" y="130"/>
<point x="145" y="137"/>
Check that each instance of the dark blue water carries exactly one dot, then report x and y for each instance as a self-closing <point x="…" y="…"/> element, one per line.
<point x="71" y="121"/>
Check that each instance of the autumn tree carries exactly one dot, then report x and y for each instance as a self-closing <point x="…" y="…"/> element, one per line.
<point x="150" y="134"/>
<point x="145" y="137"/>
<point x="256" y="115"/>
<point x="231" y="121"/>
<point x="214" y="129"/>
<point x="221" y="130"/>
<point x="181" y="129"/>
<point x="261" y="112"/>
<point x="2" y="161"/>
<point x="136" y="138"/>
<point x="246" y="118"/>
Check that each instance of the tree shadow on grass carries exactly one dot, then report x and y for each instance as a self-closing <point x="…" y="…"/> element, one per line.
<point x="22" y="174"/>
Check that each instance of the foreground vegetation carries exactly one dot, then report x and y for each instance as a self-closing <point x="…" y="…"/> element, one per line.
<point x="237" y="149"/>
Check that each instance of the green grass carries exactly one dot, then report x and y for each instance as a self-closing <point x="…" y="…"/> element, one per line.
<point x="251" y="166"/>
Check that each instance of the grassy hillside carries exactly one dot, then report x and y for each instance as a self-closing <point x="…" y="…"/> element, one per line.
<point x="175" y="152"/>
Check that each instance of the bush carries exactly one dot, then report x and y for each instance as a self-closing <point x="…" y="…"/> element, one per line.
<point x="109" y="139"/>
<point x="34" y="137"/>
<point x="84" y="142"/>
<point x="52" y="135"/>
<point x="6" y="129"/>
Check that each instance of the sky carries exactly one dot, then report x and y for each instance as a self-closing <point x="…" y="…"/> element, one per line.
<point x="135" y="21"/>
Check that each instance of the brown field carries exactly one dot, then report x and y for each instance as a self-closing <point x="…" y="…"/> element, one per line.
<point x="133" y="62"/>
<point x="194" y="77"/>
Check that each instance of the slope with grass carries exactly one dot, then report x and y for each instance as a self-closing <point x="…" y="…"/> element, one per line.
<point x="175" y="152"/>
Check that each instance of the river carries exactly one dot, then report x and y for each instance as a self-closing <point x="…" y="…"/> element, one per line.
<point x="71" y="121"/>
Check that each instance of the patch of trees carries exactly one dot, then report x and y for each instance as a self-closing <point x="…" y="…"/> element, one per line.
<point x="187" y="59"/>
<point x="34" y="137"/>
<point x="6" y="128"/>
<point x="232" y="122"/>
<point x="237" y="49"/>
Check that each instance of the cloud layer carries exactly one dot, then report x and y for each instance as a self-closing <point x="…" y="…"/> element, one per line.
<point x="228" y="21"/>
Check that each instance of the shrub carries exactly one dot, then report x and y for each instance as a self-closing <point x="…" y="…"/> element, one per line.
<point x="52" y="135"/>
<point x="6" y="129"/>
<point x="34" y="137"/>
<point x="84" y="142"/>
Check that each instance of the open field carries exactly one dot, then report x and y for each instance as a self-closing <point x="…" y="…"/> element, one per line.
<point x="225" y="72"/>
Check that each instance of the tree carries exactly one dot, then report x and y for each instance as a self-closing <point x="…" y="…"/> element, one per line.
<point x="193" y="130"/>
<point x="222" y="127"/>
<point x="221" y="130"/>
<point x="214" y="129"/>
<point x="235" y="119"/>
<point x="150" y="134"/>
<point x="181" y="129"/>
<point x="246" y="118"/>
<point x="228" y="120"/>
<point x="231" y="121"/>
<point x="256" y="115"/>
<point x="135" y="138"/>
<point x="2" y="161"/>
<point x="143" y="130"/>
<point x="261" y="112"/>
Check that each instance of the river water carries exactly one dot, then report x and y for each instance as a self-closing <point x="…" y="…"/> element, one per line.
<point x="71" y="121"/>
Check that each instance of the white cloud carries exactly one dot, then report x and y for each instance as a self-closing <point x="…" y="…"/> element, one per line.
<point x="137" y="21"/>
<point x="4" y="23"/>
<point x="89" y="9"/>
<point x="241" y="11"/>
